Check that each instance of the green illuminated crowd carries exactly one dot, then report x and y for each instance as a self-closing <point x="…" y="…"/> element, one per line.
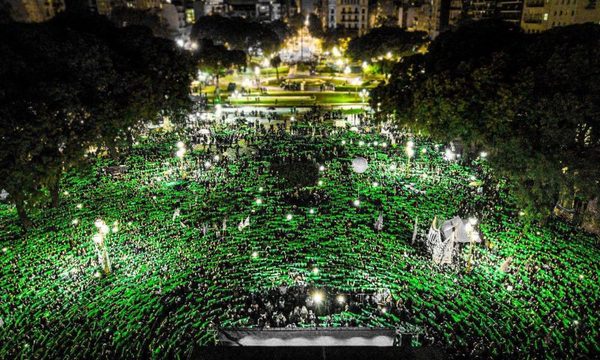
<point x="194" y="234"/>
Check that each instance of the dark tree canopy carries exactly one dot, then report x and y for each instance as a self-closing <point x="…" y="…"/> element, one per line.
<point x="531" y="101"/>
<point x="126" y="16"/>
<point x="216" y="59"/>
<point x="77" y="83"/>
<point x="381" y="40"/>
<point x="237" y="33"/>
<point x="296" y="174"/>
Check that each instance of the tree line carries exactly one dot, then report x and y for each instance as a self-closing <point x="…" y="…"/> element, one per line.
<point x="531" y="101"/>
<point x="74" y="86"/>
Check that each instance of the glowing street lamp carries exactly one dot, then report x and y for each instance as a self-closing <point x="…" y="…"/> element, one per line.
<point x="364" y="93"/>
<point x="257" y="75"/>
<point x="318" y="297"/>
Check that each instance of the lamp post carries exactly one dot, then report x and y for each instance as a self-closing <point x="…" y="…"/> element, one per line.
<point x="257" y="75"/>
<point x="364" y="94"/>
<point x="356" y="82"/>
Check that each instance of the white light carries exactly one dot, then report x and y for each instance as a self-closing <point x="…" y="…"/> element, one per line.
<point x="180" y="145"/>
<point x="410" y="144"/>
<point x="75" y="222"/>
<point x="260" y="189"/>
<point x="79" y="206"/>
<point x="66" y="193"/>
<point x="423" y="150"/>
<point x="318" y="297"/>
<point x="311" y="211"/>
<point x="509" y="288"/>
<point x="343" y="142"/>
<point x="97" y="238"/>
<point x="341" y="299"/>
<point x="96" y="274"/>
<point x="207" y="164"/>
<point x="449" y="155"/>
<point x="104" y="229"/>
<point x="384" y="145"/>
<point x="410" y="152"/>
<point x="289" y="217"/>
<point x="180" y="42"/>
<point x="321" y="168"/>
<point x="383" y="310"/>
<point x="4" y="249"/>
<point x="258" y="201"/>
<point x="375" y="184"/>
<point x="255" y="254"/>
<point x="98" y="223"/>
<point x="320" y="183"/>
<point x="356" y="203"/>
<point x="361" y="143"/>
<point x="521" y="213"/>
<point x="483" y="154"/>
<point x="315" y="270"/>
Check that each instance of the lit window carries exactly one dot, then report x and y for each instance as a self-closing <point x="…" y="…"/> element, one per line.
<point x="545" y="16"/>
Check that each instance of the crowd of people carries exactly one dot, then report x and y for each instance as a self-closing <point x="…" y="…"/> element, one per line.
<point x="209" y="238"/>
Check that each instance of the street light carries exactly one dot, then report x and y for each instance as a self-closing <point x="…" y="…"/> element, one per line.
<point x="356" y="82"/>
<point x="257" y="74"/>
<point x="364" y="94"/>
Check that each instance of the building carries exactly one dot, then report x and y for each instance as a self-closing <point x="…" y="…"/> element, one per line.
<point x="105" y="7"/>
<point x="35" y="10"/>
<point x="268" y="10"/>
<point x="541" y="15"/>
<point x="352" y="15"/>
<point x="507" y="10"/>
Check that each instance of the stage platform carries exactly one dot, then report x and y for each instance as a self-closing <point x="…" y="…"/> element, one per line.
<point x="372" y="337"/>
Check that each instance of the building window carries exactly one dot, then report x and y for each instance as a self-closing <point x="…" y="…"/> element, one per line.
<point x="545" y="16"/>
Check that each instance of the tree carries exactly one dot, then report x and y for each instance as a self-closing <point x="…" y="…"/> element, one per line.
<point x="124" y="16"/>
<point x="236" y="33"/>
<point x="276" y="63"/>
<point x="531" y="101"/>
<point x="383" y="40"/>
<point x="216" y="59"/>
<point x="73" y="84"/>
